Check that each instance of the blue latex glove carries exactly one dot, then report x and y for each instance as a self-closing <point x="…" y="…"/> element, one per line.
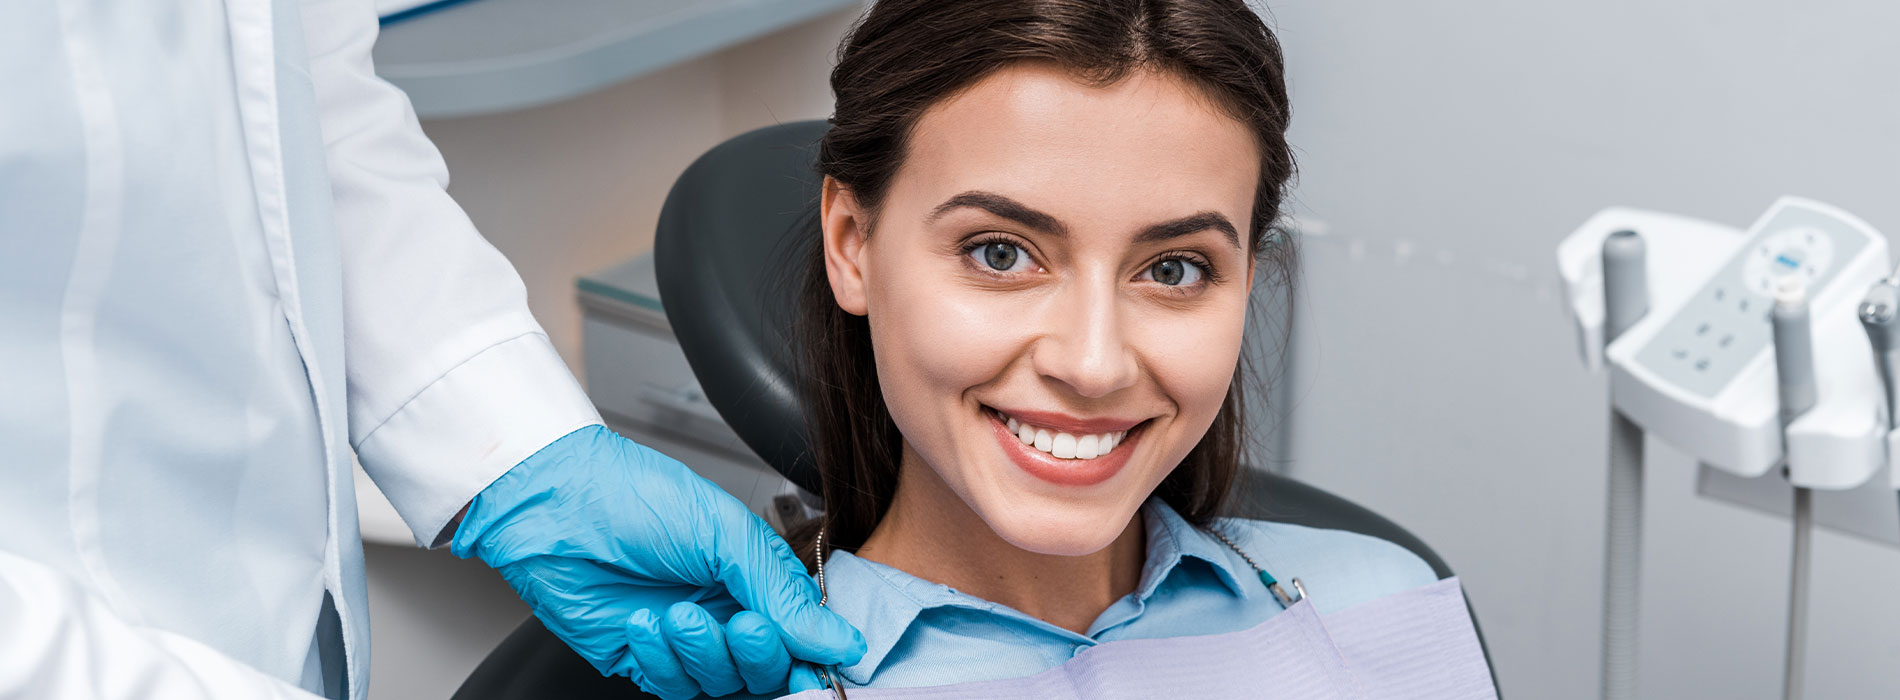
<point x="650" y="571"/>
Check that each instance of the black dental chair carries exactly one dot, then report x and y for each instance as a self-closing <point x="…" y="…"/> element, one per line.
<point x="727" y="242"/>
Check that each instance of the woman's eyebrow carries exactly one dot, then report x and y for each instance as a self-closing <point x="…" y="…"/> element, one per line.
<point x="1018" y="212"/>
<point x="1001" y="206"/>
<point x="1188" y="225"/>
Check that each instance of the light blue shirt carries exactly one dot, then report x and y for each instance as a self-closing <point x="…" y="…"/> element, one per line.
<point x="920" y="633"/>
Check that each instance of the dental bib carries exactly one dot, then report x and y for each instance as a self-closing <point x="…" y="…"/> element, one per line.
<point x="1415" y="645"/>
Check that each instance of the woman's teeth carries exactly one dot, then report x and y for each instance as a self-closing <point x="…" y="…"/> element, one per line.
<point x="1065" y="445"/>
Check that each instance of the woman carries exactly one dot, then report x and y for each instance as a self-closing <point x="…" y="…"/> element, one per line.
<point x="1022" y="327"/>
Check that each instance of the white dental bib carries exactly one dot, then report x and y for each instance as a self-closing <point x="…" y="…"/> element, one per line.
<point x="1415" y="645"/>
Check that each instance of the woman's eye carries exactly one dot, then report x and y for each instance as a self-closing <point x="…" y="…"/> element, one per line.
<point x="1001" y="256"/>
<point x="1175" y="272"/>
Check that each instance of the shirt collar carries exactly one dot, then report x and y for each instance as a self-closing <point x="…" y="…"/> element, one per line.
<point x="1172" y="539"/>
<point x="883" y="601"/>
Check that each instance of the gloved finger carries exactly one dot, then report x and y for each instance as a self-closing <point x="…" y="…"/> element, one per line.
<point x="663" y="674"/>
<point x="585" y="604"/>
<point x="716" y="602"/>
<point x="805" y="677"/>
<point x="700" y="645"/>
<point x="757" y="651"/>
<point x="759" y="569"/>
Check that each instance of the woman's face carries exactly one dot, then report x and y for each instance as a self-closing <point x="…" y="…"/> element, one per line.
<point x="1056" y="288"/>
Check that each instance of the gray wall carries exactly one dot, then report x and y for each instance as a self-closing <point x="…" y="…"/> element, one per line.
<point x="1448" y="146"/>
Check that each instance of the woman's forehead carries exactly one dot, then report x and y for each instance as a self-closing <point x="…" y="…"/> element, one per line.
<point x="1148" y="145"/>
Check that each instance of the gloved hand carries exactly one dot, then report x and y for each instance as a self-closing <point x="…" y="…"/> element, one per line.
<point x="643" y="567"/>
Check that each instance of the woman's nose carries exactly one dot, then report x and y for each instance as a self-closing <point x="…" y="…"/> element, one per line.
<point x="1085" y="344"/>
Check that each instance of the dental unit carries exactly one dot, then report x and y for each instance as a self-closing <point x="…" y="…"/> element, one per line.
<point x="1741" y="349"/>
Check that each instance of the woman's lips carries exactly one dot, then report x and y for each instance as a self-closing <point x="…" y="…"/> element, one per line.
<point x="1057" y="470"/>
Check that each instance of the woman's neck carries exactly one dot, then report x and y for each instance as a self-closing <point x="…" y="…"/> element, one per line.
<point x="929" y="532"/>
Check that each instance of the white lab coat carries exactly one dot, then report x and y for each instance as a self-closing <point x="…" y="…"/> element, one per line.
<point x="227" y="260"/>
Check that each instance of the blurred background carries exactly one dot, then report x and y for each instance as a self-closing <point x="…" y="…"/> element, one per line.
<point x="1445" y="148"/>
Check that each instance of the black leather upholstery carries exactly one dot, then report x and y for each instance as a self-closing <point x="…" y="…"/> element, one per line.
<point x="727" y="266"/>
<point x="725" y="262"/>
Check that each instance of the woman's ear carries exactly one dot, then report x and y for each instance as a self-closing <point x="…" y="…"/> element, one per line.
<point x="845" y="227"/>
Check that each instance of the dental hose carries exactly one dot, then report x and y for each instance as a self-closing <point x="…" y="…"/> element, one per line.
<point x="1795" y="666"/>
<point x="1622" y="559"/>
<point x="1795" y="387"/>
<point x="1625" y="301"/>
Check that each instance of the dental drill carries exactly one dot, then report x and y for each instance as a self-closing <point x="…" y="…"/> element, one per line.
<point x="1880" y="315"/>
<point x="1626" y="300"/>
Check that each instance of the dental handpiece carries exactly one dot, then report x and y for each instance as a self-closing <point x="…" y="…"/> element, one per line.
<point x="1625" y="282"/>
<point x="1794" y="350"/>
<point x="1880" y="315"/>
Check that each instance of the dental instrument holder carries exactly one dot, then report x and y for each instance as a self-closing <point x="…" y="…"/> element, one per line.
<point x="1708" y="385"/>
<point x="1726" y="415"/>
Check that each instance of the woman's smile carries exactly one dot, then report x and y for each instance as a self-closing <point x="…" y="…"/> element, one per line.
<point x="1064" y="450"/>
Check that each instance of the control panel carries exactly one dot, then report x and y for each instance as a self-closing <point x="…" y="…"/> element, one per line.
<point x="1725" y="326"/>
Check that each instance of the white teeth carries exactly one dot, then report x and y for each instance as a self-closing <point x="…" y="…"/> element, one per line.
<point x="1088" y="446"/>
<point x="1064" y="445"/>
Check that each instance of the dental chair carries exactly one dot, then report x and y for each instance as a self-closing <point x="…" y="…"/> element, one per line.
<point x="726" y="253"/>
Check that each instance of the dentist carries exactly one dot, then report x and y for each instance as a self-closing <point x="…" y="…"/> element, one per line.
<point x="228" y="264"/>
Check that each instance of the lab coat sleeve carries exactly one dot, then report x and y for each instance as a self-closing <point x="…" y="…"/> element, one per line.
<point x="451" y="381"/>
<point x="58" y="641"/>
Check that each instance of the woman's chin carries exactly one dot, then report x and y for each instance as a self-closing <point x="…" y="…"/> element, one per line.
<point x="1061" y="531"/>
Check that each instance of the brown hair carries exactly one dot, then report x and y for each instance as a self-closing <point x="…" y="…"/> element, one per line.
<point x="904" y="56"/>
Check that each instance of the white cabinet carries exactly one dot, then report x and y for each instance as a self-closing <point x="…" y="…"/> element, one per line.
<point x="640" y="380"/>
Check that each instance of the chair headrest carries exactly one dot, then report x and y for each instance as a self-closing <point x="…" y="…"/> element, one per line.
<point x="731" y="236"/>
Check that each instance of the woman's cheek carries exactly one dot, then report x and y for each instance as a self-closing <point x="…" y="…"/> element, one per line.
<point x="1192" y="356"/>
<point x="958" y="338"/>
<point x="950" y="341"/>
